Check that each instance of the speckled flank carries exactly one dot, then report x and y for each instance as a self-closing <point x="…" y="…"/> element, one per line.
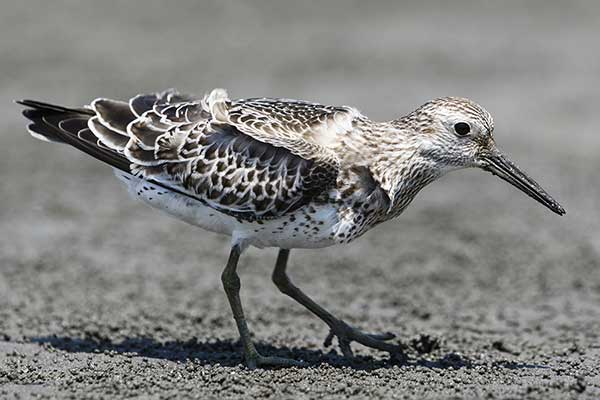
<point x="308" y="227"/>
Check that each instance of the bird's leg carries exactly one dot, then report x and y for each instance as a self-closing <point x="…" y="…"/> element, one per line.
<point x="344" y="332"/>
<point x="231" y="283"/>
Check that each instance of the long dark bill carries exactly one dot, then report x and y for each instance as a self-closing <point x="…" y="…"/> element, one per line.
<point x="501" y="166"/>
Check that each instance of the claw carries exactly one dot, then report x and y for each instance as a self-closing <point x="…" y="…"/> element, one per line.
<point x="344" y="344"/>
<point x="346" y="335"/>
<point x="328" y="340"/>
<point x="345" y="347"/>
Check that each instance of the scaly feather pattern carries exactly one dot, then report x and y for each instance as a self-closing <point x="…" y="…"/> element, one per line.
<point x="253" y="159"/>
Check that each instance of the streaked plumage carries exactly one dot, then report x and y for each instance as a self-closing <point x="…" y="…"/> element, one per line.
<point x="279" y="172"/>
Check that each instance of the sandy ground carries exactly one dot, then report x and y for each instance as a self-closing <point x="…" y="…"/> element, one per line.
<point x="102" y="297"/>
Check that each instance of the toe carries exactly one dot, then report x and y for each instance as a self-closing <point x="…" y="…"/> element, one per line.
<point x="329" y="339"/>
<point x="345" y="347"/>
<point x="382" y="336"/>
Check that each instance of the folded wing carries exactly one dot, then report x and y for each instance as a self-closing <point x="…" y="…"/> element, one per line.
<point x="249" y="164"/>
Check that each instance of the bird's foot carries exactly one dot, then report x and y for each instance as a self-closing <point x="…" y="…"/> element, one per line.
<point x="346" y="334"/>
<point x="255" y="360"/>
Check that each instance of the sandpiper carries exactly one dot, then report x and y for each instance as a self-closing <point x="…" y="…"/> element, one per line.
<point x="279" y="173"/>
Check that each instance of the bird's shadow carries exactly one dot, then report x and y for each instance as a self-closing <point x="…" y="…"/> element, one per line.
<point x="227" y="353"/>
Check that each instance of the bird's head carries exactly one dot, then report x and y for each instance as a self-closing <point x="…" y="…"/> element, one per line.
<point x="458" y="133"/>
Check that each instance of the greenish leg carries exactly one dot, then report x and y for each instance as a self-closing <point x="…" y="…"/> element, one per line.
<point x="340" y="329"/>
<point x="231" y="284"/>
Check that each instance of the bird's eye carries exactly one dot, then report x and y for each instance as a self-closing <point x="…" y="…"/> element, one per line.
<point x="462" y="128"/>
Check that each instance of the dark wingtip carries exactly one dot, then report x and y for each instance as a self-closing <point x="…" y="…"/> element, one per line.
<point x="30" y="103"/>
<point x="40" y="105"/>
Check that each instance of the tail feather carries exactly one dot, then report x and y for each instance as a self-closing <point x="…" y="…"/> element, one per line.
<point x="40" y="105"/>
<point x="56" y="123"/>
<point x="74" y="126"/>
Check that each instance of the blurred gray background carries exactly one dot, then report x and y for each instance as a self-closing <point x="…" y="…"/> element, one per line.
<point x="103" y="296"/>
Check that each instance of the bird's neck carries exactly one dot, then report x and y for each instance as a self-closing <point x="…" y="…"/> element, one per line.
<point x="396" y="160"/>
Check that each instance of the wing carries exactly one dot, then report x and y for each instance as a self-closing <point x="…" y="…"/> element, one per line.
<point x="249" y="162"/>
<point x="284" y="119"/>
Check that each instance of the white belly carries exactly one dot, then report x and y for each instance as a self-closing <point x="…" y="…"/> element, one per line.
<point x="292" y="231"/>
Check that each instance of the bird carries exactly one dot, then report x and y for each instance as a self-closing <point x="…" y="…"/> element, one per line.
<point x="280" y="173"/>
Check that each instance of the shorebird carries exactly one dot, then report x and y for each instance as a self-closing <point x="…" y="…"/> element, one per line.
<point x="281" y="173"/>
